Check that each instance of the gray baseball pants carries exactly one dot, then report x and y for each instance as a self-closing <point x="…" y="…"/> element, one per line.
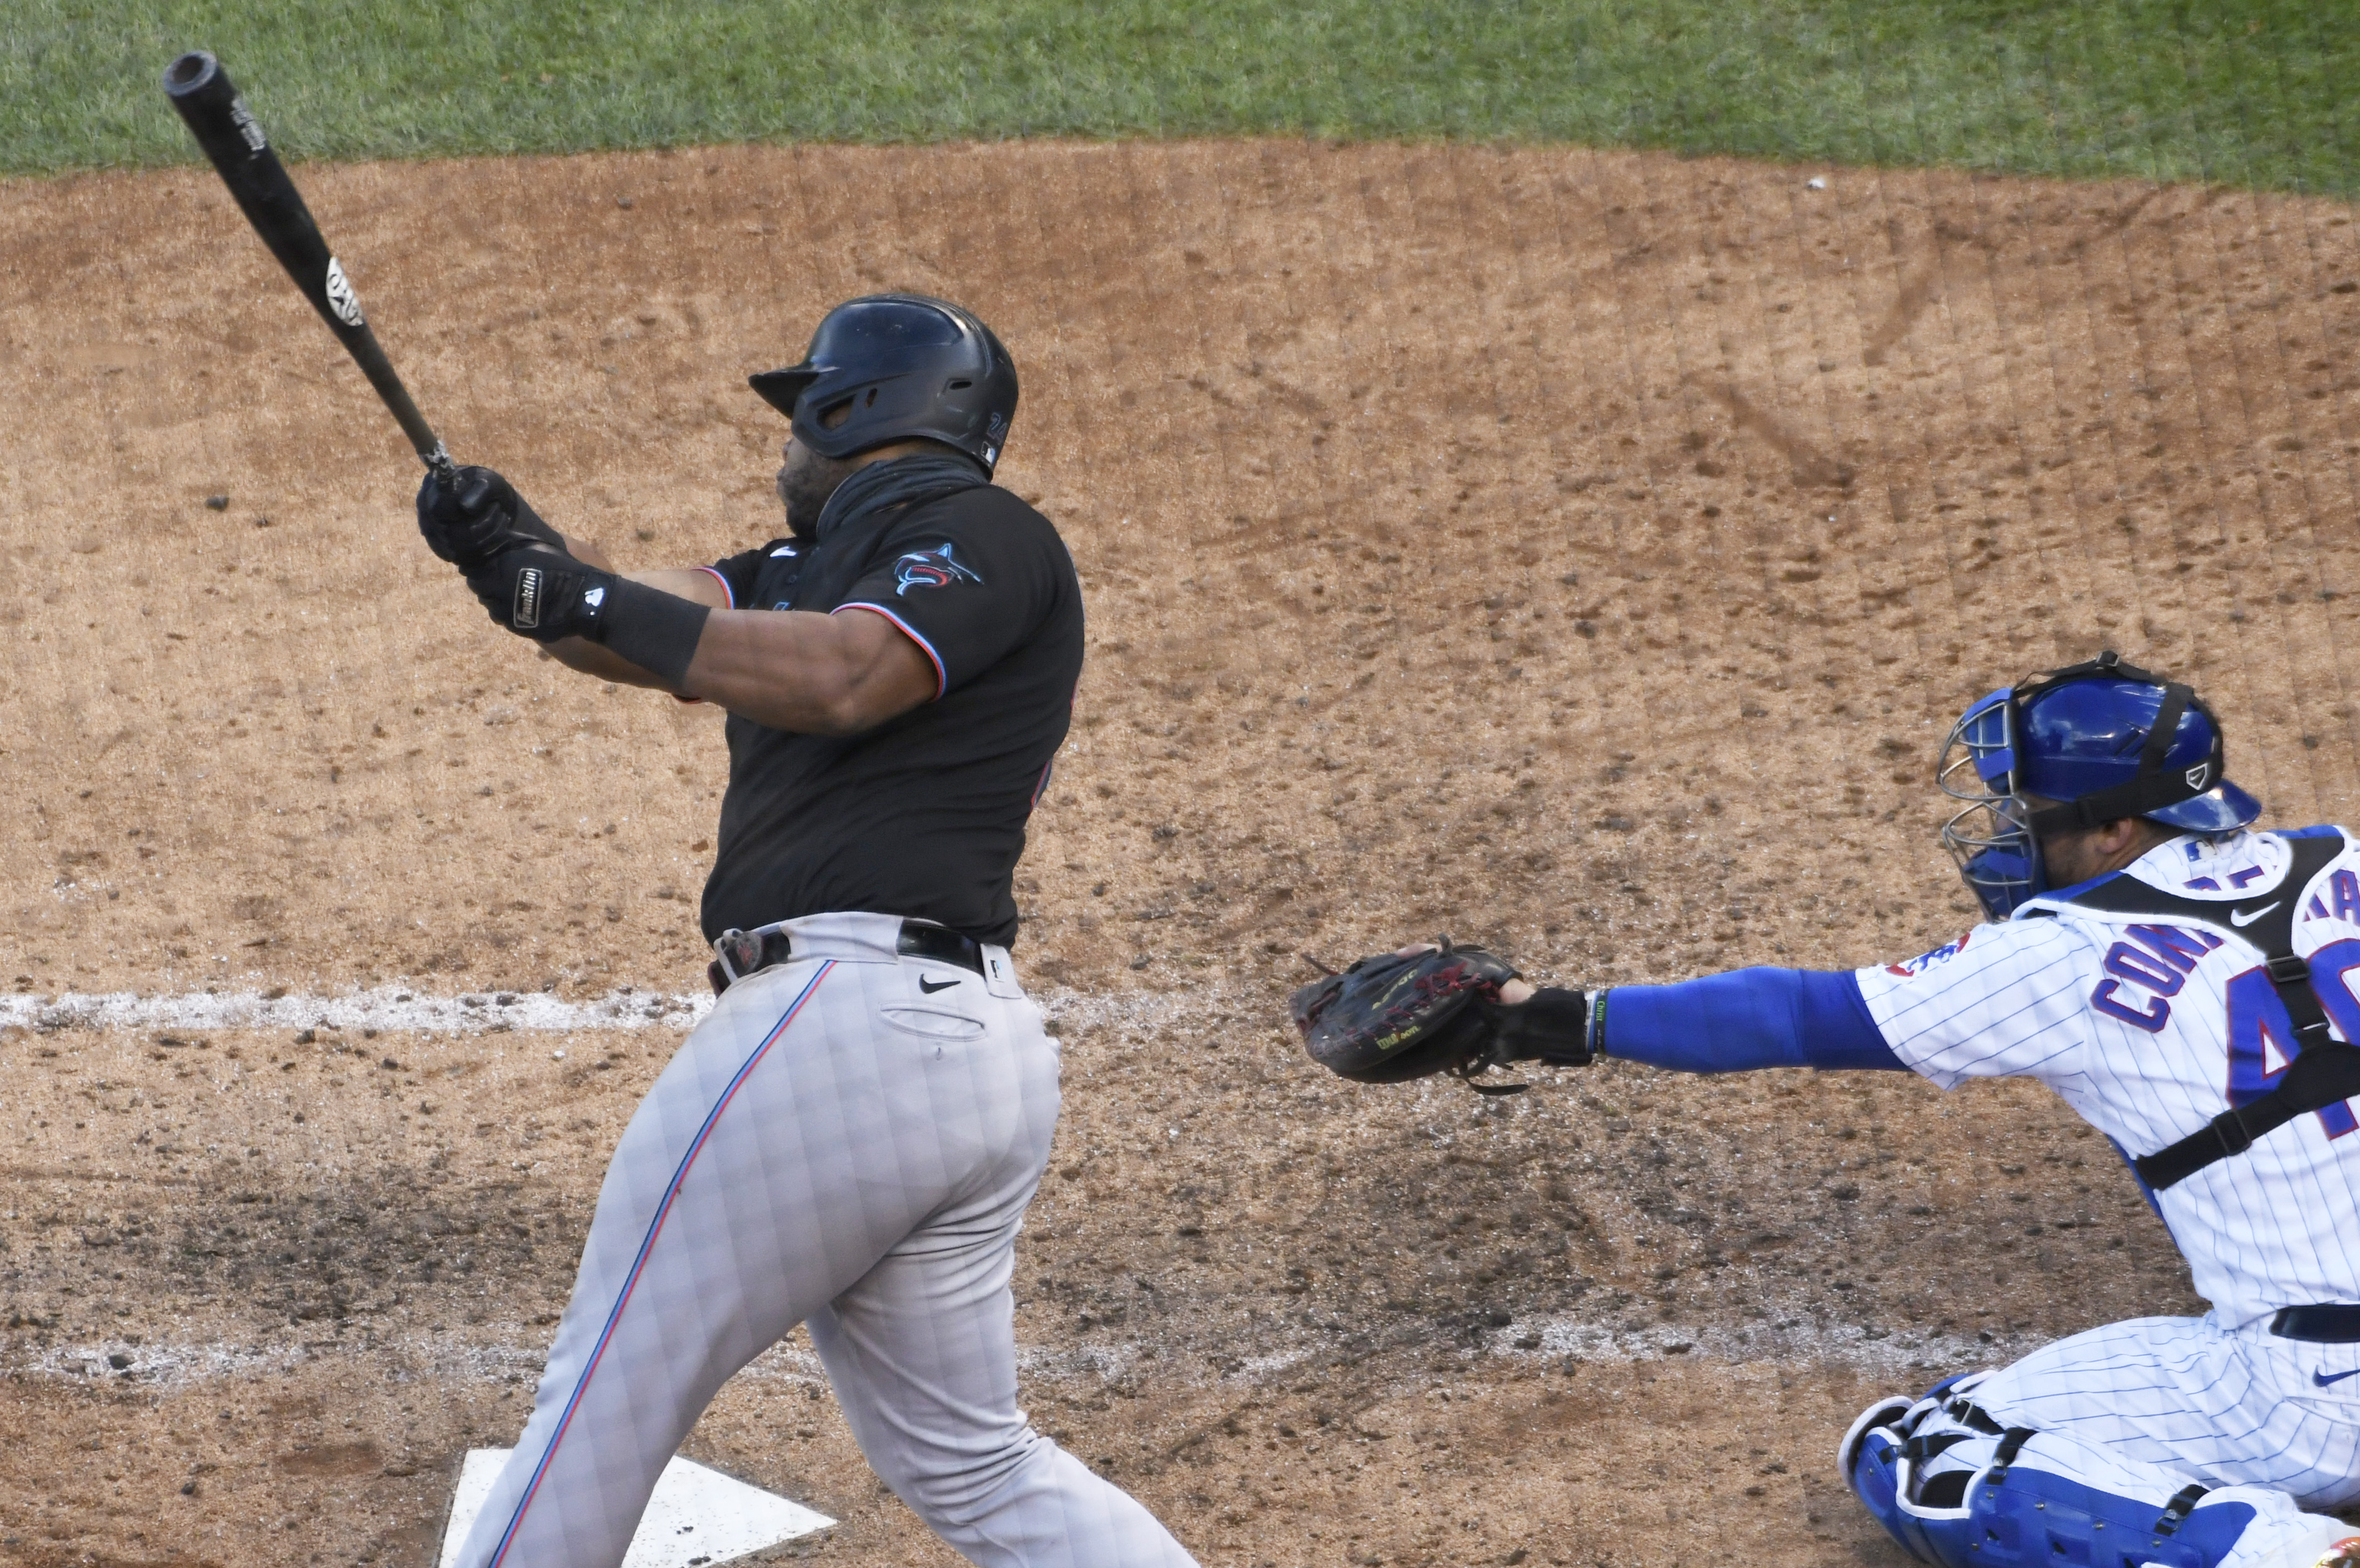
<point x="847" y="1141"/>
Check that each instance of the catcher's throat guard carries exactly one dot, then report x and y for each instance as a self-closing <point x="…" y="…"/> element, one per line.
<point x="2076" y="748"/>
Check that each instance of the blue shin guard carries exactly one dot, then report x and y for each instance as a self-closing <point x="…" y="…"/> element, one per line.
<point x="1955" y="1488"/>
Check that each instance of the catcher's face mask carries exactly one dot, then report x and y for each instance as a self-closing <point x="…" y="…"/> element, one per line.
<point x="1990" y="837"/>
<point x="2071" y="749"/>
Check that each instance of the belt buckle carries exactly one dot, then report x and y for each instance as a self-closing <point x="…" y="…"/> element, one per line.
<point x="739" y="953"/>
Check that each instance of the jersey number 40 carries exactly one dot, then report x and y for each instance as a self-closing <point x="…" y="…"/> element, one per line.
<point x="2261" y="1035"/>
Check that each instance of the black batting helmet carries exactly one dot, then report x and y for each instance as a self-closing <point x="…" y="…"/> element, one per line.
<point x="899" y="365"/>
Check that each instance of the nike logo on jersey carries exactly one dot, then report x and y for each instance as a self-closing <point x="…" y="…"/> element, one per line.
<point x="932" y="986"/>
<point x="2243" y="918"/>
<point x="2323" y="1379"/>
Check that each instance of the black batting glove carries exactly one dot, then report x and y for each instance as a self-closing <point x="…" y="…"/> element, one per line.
<point x="542" y="593"/>
<point x="474" y="515"/>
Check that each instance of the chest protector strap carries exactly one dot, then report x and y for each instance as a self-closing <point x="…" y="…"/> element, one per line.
<point x="2323" y="1070"/>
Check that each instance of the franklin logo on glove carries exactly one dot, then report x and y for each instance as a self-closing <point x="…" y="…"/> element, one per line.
<point x="527" y="614"/>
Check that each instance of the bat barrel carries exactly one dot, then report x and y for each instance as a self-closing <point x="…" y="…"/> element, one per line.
<point x="233" y="140"/>
<point x="209" y="102"/>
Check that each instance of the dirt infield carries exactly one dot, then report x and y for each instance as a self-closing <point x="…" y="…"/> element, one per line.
<point x="1581" y="551"/>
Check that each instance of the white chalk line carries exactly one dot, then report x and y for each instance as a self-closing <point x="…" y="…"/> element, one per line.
<point x="384" y="1007"/>
<point x="168" y="1366"/>
<point x="409" y="1008"/>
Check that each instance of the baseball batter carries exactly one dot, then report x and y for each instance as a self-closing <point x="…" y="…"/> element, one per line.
<point x="2188" y="984"/>
<point x="851" y="1139"/>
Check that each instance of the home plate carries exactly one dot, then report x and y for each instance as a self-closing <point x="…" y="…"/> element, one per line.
<point x="697" y="1516"/>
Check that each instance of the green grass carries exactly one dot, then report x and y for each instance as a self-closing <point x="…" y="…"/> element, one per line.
<point x="2247" y="91"/>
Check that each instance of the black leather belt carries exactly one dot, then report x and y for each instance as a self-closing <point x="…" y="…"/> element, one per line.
<point x="2318" y="1325"/>
<point x="745" y="953"/>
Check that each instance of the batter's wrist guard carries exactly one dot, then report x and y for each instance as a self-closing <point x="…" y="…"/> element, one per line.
<point x="1552" y="1026"/>
<point x="656" y="631"/>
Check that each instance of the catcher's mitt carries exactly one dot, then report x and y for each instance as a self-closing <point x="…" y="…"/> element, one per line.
<point x="1394" y="1016"/>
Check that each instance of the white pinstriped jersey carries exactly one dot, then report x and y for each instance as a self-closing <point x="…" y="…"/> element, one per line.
<point x="2150" y="1030"/>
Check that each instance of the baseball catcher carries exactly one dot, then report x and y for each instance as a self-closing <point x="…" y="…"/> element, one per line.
<point x="2188" y="984"/>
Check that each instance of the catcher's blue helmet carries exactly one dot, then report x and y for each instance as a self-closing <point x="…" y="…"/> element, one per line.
<point x="2092" y="742"/>
<point x="895" y="367"/>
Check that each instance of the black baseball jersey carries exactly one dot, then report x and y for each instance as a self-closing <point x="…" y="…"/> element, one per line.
<point x="925" y="814"/>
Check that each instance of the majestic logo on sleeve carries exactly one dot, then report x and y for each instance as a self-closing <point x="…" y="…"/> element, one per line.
<point x="935" y="568"/>
<point x="1910" y="969"/>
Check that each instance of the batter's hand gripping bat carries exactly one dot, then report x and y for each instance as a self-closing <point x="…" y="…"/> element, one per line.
<point x="227" y="129"/>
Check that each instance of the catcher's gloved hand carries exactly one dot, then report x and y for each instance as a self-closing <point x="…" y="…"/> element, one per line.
<point x="542" y="594"/>
<point x="1425" y="1010"/>
<point x="476" y="515"/>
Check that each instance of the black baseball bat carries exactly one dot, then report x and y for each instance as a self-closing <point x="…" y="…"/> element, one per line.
<point x="217" y="116"/>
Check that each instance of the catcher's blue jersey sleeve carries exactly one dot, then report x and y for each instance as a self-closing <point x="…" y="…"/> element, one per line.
<point x="1745" y="1019"/>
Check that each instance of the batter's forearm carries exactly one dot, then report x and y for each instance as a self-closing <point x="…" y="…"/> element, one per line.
<point x="604" y="663"/>
<point x="697" y="585"/>
<point x="807" y="673"/>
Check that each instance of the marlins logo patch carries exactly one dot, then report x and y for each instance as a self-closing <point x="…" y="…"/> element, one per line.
<point x="935" y="568"/>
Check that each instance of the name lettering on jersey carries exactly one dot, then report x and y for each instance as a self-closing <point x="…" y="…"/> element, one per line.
<point x="2157" y="960"/>
<point x="2343" y="888"/>
<point x="1910" y="968"/>
<point x="2339" y="900"/>
<point x="935" y="568"/>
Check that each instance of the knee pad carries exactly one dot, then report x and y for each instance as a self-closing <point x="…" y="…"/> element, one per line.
<point x="1964" y="1498"/>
